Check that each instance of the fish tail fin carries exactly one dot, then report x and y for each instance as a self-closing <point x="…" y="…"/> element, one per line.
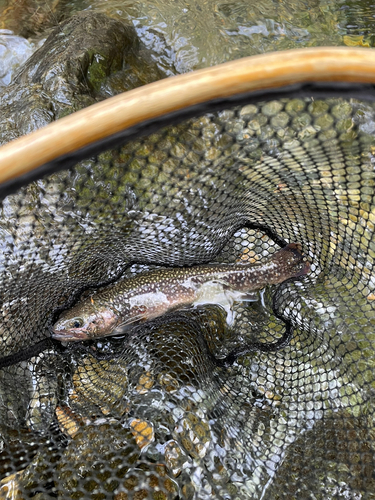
<point x="305" y="270"/>
<point x="296" y="249"/>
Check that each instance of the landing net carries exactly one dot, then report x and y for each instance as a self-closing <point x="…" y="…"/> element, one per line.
<point x="154" y="413"/>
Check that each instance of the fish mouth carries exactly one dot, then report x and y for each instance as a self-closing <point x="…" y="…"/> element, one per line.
<point x="66" y="335"/>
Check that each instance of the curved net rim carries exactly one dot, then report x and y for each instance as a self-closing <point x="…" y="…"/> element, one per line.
<point x="317" y="72"/>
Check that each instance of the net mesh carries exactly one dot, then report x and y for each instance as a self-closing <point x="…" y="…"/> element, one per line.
<point x="154" y="413"/>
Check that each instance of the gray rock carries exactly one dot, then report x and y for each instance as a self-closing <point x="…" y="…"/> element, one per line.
<point x="14" y="51"/>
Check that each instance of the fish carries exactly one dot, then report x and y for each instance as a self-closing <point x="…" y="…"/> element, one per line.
<point x="117" y="308"/>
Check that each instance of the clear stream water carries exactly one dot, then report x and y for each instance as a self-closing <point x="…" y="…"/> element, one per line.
<point x="186" y="35"/>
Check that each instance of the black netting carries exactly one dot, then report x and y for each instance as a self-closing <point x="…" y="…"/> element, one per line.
<point x="276" y="403"/>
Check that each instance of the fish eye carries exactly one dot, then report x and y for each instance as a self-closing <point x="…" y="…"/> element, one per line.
<point x="77" y="322"/>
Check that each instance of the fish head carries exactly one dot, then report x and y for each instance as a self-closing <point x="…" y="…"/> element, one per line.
<point x="84" y="321"/>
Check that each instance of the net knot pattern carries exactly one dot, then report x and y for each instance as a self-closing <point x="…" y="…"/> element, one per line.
<point x="155" y="412"/>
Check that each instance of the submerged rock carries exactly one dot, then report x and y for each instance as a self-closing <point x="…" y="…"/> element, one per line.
<point x="74" y="68"/>
<point x="32" y="17"/>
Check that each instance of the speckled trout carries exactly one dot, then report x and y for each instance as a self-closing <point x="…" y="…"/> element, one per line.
<point x="114" y="309"/>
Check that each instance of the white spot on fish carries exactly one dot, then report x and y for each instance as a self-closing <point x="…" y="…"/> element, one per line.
<point x="150" y="299"/>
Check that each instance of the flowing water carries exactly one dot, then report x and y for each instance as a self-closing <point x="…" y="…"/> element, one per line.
<point x="191" y="34"/>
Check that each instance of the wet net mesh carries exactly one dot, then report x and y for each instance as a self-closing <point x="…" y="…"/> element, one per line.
<point x="155" y="413"/>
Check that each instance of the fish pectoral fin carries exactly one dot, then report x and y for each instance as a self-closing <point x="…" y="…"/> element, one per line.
<point x="126" y="325"/>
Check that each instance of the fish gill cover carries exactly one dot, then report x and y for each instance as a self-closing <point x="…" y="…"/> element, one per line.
<point x="154" y="413"/>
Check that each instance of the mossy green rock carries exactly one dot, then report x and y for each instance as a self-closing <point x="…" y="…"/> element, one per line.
<point x="85" y="59"/>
